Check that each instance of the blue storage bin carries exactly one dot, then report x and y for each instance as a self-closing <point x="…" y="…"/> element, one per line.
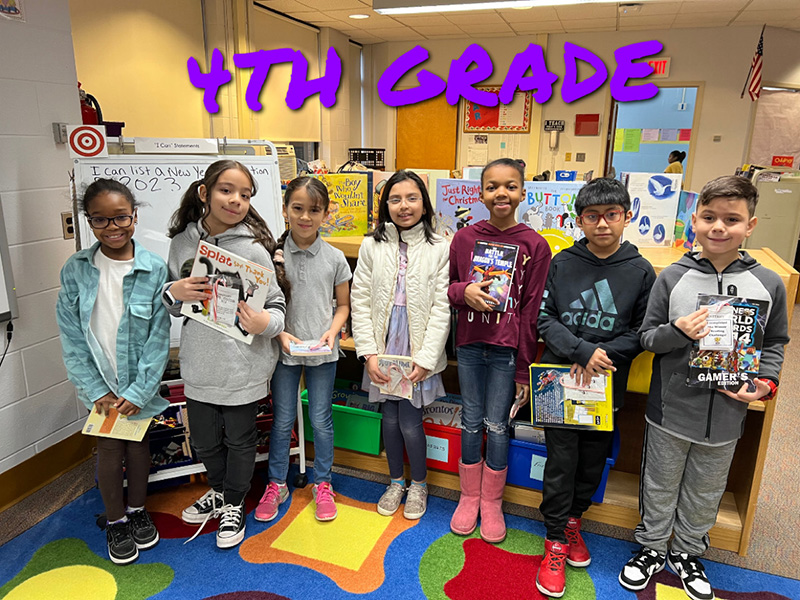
<point x="526" y="465"/>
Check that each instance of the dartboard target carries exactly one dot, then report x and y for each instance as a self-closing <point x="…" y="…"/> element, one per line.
<point x="87" y="141"/>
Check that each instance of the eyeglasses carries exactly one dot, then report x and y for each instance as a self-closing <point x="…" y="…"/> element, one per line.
<point x="104" y="222"/>
<point x="409" y="200"/>
<point x="611" y="216"/>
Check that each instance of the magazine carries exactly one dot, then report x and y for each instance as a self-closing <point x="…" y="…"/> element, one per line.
<point x="232" y="279"/>
<point x="310" y="348"/>
<point x="115" y="425"/>
<point x="495" y="261"/>
<point x="560" y="401"/>
<point x="730" y="354"/>
<point x="398" y="368"/>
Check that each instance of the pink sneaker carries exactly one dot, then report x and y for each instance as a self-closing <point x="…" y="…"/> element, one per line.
<point x="273" y="497"/>
<point x="326" y="507"/>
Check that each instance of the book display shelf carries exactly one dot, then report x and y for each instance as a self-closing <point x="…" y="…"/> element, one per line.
<point x="620" y="504"/>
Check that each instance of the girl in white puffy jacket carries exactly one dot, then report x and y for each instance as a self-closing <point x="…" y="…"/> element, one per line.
<point x="400" y="307"/>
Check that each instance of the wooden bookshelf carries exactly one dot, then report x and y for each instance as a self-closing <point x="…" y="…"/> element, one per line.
<point x="620" y="506"/>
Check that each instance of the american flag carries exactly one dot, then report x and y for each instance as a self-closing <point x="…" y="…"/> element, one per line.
<point x="754" y="78"/>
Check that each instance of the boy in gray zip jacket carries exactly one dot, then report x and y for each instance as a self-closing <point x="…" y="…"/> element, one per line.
<point x="691" y="432"/>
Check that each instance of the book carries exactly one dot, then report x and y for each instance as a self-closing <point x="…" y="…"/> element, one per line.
<point x="495" y="261"/>
<point x="232" y="279"/>
<point x="549" y="208"/>
<point x="115" y="425"/>
<point x="310" y="348"/>
<point x="398" y="368"/>
<point x="458" y="205"/>
<point x="684" y="231"/>
<point x="558" y="400"/>
<point x="729" y="356"/>
<point x="350" y="209"/>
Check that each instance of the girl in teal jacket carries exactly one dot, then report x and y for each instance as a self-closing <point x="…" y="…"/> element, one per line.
<point x="115" y="341"/>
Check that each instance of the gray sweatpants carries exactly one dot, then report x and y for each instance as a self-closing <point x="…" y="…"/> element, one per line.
<point x="680" y="491"/>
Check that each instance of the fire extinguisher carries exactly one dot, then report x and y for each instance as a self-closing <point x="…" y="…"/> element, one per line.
<point x="90" y="108"/>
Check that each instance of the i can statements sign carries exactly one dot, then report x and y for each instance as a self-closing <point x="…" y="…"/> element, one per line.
<point x="470" y="69"/>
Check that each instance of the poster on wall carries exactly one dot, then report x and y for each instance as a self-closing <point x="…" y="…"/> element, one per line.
<point x="654" y="203"/>
<point x="549" y="208"/>
<point x="458" y="205"/>
<point x="502" y="118"/>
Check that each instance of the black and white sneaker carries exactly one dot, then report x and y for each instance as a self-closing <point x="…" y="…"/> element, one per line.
<point x="692" y="574"/>
<point x="636" y="573"/>
<point x="231" y="526"/>
<point x="143" y="530"/>
<point x="121" y="547"/>
<point x="203" y="507"/>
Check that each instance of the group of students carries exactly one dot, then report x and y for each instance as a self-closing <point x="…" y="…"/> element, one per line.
<point x="116" y="298"/>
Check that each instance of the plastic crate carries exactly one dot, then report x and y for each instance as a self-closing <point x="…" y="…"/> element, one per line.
<point x="353" y="428"/>
<point x="373" y="158"/>
<point x="526" y="465"/>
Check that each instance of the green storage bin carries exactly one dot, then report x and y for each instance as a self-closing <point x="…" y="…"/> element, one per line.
<point x="353" y="428"/>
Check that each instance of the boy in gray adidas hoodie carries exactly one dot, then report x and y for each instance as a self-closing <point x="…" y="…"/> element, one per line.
<point x="691" y="432"/>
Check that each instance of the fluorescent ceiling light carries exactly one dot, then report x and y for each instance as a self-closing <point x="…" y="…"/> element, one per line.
<point x="408" y="7"/>
<point x="359" y="16"/>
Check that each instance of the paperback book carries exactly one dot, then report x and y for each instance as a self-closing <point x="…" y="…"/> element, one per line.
<point x="311" y="348"/>
<point x="559" y="400"/>
<point x="495" y="261"/>
<point x="351" y="200"/>
<point x="458" y="205"/>
<point x="398" y="369"/>
<point x="233" y="279"/>
<point x="549" y="208"/>
<point x="729" y="356"/>
<point x="115" y="425"/>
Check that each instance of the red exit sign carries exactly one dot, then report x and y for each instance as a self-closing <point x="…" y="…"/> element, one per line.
<point x="660" y="67"/>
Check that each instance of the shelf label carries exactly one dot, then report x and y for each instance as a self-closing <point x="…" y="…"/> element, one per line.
<point x="438" y="448"/>
<point x="537" y="467"/>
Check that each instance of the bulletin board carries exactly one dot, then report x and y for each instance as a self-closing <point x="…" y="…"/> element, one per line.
<point x="426" y="135"/>
<point x="503" y="118"/>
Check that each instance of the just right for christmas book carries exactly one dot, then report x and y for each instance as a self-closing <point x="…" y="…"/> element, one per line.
<point x="495" y="261"/>
<point x="730" y="354"/>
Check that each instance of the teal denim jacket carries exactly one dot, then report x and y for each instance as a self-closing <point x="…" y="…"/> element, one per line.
<point x="142" y="337"/>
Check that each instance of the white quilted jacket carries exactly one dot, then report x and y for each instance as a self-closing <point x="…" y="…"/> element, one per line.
<point x="427" y="278"/>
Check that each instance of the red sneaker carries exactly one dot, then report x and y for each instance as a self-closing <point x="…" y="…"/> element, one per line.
<point x="578" y="552"/>
<point x="550" y="580"/>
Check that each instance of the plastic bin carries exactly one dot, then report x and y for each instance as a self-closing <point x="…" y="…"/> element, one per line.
<point x="353" y="428"/>
<point x="444" y="446"/>
<point x="526" y="465"/>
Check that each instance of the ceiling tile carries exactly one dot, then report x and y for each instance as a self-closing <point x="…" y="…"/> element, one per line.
<point x="771" y="17"/>
<point x="328" y="5"/>
<point x="712" y="6"/>
<point x="491" y="28"/>
<point x="658" y="8"/>
<point x="540" y="13"/>
<point x="589" y="24"/>
<point x="439" y="30"/>
<point x="476" y="18"/>
<point x="541" y="27"/>
<point x="425" y="21"/>
<point x="657" y="22"/>
<point x="284" y="6"/>
<point x="587" y="11"/>
<point x="396" y="35"/>
<point x="772" y="4"/>
<point x="703" y="20"/>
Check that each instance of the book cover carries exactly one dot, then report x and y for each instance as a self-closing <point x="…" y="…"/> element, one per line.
<point x="730" y="354"/>
<point x="549" y="208"/>
<point x="309" y="348"/>
<point x="115" y="425"/>
<point x="495" y="261"/>
<point x="559" y="401"/>
<point x="350" y="208"/>
<point x="654" y="203"/>
<point x="232" y="279"/>
<point x="458" y="205"/>
<point x="398" y="368"/>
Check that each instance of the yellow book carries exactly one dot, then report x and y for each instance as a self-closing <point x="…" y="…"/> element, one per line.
<point x="558" y="400"/>
<point x="115" y="425"/>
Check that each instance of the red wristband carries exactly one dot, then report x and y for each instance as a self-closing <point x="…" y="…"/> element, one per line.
<point x="773" y="388"/>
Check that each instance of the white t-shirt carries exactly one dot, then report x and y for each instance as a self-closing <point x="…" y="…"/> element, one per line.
<point x="109" y="305"/>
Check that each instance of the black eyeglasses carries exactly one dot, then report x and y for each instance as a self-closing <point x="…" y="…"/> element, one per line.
<point x="611" y="216"/>
<point x="104" y="222"/>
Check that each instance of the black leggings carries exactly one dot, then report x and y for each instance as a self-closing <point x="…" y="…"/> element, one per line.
<point x="403" y="423"/>
<point x="110" y="455"/>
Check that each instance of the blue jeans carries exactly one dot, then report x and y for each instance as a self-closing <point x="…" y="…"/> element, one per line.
<point x="319" y="382"/>
<point x="486" y="375"/>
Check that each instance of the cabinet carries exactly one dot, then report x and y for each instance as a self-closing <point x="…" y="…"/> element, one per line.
<point x="620" y="506"/>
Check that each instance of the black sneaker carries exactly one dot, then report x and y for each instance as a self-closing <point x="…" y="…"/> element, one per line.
<point x="231" y="526"/>
<point x="203" y="507"/>
<point x="636" y="573"/>
<point x="121" y="547"/>
<point x="692" y="574"/>
<point x="143" y="530"/>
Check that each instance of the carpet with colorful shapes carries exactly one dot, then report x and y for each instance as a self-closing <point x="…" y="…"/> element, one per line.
<point x="360" y="555"/>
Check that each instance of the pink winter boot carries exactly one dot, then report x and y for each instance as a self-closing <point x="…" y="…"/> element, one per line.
<point x="493" y="524"/>
<point x="465" y="519"/>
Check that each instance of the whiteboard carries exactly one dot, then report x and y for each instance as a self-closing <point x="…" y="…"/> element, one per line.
<point x="159" y="182"/>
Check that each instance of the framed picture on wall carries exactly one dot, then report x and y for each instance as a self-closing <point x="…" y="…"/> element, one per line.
<point x="502" y="118"/>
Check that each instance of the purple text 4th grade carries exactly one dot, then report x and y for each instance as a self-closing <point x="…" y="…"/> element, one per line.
<point x="470" y="69"/>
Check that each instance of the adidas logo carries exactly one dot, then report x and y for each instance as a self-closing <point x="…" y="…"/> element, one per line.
<point x="595" y="308"/>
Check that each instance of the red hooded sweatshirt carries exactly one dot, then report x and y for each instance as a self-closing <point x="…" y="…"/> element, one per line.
<point x="516" y="327"/>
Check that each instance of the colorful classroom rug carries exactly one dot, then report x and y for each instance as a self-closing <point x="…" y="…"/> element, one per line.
<point x="360" y="555"/>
